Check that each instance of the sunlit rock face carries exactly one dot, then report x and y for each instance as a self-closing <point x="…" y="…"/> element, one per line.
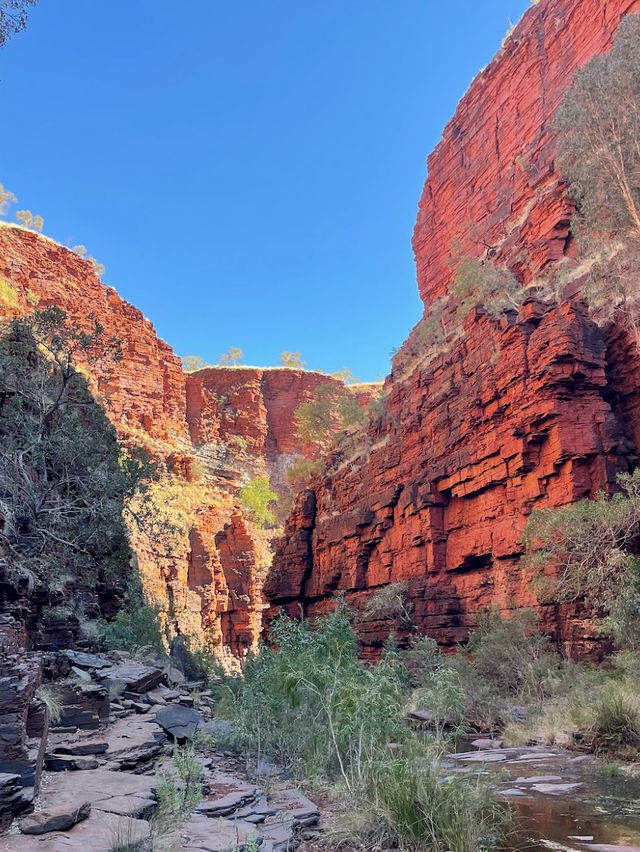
<point x="211" y="430"/>
<point x="535" y="409"/>
<point x="494" y="166"/>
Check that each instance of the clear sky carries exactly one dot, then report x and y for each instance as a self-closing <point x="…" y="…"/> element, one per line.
<point x="248" y="172"/>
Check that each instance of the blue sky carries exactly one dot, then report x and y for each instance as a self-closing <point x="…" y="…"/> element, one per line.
<point x="248" y="172"/>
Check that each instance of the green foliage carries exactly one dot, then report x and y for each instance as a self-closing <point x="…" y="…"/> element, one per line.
<point x="300" y="472"/>
<point x="598" y="125"/>
<point x="178" y="792"/>
<point x="616" y="726"/>
<point x="191" y="363"/>
<point x="233" y="356"/>
<point x="63" y="477"/>
<point x="8" y="294"/>
<point x="333" y="408"/>
<point x="13" y="17"/>
<point x="239" y="441"/>
<point x="344" y="374"/>
<point x="256" y="496"/>
<point x="312" y="703"/>
<point x="292" y="360"/>
<point x="49" y="696"/>
<point x="589" y="548"/>
<point x="134" y="629"/>
<point x="390" y="601"/>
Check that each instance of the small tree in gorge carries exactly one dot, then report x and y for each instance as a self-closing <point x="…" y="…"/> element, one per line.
<point x="256" y="496"/>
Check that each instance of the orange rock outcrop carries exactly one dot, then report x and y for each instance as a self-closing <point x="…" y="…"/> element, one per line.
<point x="212" y="430"/>
<point x="537" y="409"/>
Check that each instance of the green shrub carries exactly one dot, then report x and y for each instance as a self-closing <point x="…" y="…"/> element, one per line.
<point x="300" y="472"/>
<point x="616" y="724"/>
<point x="312" y="703"/>
<point x="178" y="791"/>
<point x="135" y="629"/>
<point x="256" y="496"/>
<point x="49" y="696"/>
<point x="292" y="360"/>
<point x="589" y="548"/>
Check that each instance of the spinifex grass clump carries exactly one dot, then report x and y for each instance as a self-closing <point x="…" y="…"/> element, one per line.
<point x="309" y="701"/>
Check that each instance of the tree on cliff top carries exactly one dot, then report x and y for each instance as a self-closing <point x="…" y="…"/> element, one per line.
<point x="13" y="17"/>
<point x="598" y="126"/>
<point x="233" y="356"/>
<point x="292" y="360"/>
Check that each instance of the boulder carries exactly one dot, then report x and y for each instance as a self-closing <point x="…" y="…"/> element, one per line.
<point x="179" y="722"/>
<point x="131" y="677"/>
<point x="60" y="819"/>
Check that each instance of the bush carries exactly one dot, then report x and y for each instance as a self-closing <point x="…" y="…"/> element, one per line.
<point x="586" y="550"/>
<point x="616" y="726"/>
<point x="312" y="703"/>
<point x="301" y="471"/>
<point x="292" y="360"/>
<point x="390" y="601"/>
<point x="256" y="496"/>
<point x="135" y="629"/>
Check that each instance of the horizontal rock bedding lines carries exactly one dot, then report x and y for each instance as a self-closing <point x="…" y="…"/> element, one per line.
<point x="213" y="429"/>
<point x="534" y="411"/>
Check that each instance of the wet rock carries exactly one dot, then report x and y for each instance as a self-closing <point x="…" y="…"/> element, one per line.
<point x="556" y="788"/>
<point x="61" y="819"/>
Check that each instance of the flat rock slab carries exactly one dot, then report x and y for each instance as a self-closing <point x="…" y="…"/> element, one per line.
<point x="484" y="743"/>
<point x="79" y="747"/>
<point x="60" y="819"/>
<point x="225" y="805"/>
<point x="130" y="806"/>
<point x="131" y="677"/>
<point x="102" y="832"/>
<point x="179" y="722"/>
<point x="88" y="661"/>
<point x="555" y="788"/>
<point x="133" y="741"/>
<point x="294" y="806"/>
<point x="485" y="757"/>
<point x="611" y="847"/>
<point x="221" y="835"/>
<point x="96" y="786"/>
<point x="69" y="762"/>
<point x="537" y="779"/>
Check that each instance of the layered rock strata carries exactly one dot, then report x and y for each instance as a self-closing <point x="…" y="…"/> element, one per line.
<point x="537" y="409"/>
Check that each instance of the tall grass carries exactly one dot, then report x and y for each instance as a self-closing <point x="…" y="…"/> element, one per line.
<point x="310" y="702"/>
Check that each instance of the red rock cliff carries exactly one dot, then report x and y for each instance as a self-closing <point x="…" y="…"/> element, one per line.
<point x="532" y="411"/>
<point x="211" y="429"/>
<point x="494" y="166"/>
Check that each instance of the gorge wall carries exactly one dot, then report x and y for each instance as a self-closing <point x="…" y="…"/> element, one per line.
<point x="211" y="431"/>
<point x="539" y="408"/>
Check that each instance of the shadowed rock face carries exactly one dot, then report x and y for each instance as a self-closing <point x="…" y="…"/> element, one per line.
<point x="212" y="429"/>
<point x="531" y="411"/>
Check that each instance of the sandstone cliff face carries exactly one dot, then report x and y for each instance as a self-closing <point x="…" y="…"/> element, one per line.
<point x="494" y="166"/>
<point x="211" y="430"/>
<point x="536" y="410"/>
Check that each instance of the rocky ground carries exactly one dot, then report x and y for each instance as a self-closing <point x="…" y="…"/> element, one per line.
<point x="103" y="760"/>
